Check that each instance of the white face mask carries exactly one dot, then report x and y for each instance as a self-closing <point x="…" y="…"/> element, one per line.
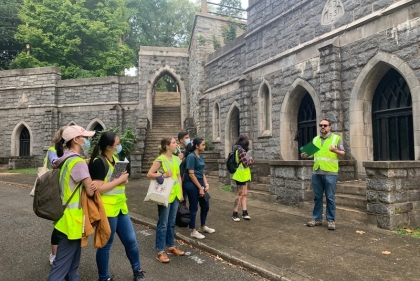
<point x="187" y="142"/>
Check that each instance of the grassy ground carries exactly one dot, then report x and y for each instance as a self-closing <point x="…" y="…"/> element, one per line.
<point x="411" y="232"/>
<point x="28" y="171"/>
<point x="226" y="188"/>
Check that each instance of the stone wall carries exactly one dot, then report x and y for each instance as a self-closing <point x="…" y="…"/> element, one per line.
<point x="393" y="194"/>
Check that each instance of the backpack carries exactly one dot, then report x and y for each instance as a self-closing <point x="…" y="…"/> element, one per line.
<point x="47" y="196"/>
<point x="231" y="164"/>
<point x="182" y="216"/>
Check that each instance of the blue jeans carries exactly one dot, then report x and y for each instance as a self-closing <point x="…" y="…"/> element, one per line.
<point x="195" y="199"/>
<point x="165" y="229"/>
<point x="321" y="184"/>
<point x="121" y="225"/>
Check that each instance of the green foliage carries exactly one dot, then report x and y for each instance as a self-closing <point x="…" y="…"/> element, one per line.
<point x="410" y="232"/>
<point x="161" y="23"/>
<point x="201" y="40"/>
<point x="83" y="38"/>
<point x="229" y="32"/>
<point x="228" y="11"/>
<point x="226" y="188"/>
<point x="166" y="84"/>
<point x="216" y="43"/>
<point x="209" y="145"/>
<point x="28" y="171"/>
<point x="127" y="138"/>
<point x="9" y="21"/>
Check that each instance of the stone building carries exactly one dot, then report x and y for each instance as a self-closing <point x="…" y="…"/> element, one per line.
<point x="356" y="63"/>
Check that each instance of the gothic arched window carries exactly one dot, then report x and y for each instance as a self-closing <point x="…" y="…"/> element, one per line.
<point x="24" y="142"/>
<point x="392" y="119"/>
<point x="306" y="121"/>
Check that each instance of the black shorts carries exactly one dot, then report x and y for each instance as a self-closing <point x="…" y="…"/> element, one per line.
<point x="240" y="183"/>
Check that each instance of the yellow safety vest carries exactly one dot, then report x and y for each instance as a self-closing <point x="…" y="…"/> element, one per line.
<point x="242" y="174"/>
<point x="114" y="200"/>
<point x="71" y="222"/>
<point x="324" y="159"/>
<point x="46" y="163"/>
<point x="174" y="167"/>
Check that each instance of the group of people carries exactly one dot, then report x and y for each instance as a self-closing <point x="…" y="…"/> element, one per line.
<point x="185" y="164"/>
<point x="92" y="175"/>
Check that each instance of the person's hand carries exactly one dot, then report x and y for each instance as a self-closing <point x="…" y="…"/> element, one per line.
<point x="87" y="160"/>
<point x="123" y="178"/>
<point x="168" y="174"/>
<point x="201" y="192"/>
<point x="251" y="160"/>
<point x="333" y="148"/>
<point x="93" y="186"/>
<point x="304" y="155"/>
<point x="181" y="156"/>
<point x="207" y="187"/>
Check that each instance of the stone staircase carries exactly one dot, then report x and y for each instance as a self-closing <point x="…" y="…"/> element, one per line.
<point x="261" y="190"/>
<point x="166" y="123"/>
<point x="350" y="199"/>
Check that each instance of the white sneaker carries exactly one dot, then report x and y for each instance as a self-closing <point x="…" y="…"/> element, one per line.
<point x="197" y="235"/>
<point x="52" y="258"/>
<point x="207" y="229"/>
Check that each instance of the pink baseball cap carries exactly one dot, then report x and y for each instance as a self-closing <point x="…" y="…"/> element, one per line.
<point x="75" y="131"/>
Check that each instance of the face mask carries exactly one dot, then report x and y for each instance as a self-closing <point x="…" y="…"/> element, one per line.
<point x="119" y="149"/>
<point x="86" y="145"/>
<point x="187" y="142"/>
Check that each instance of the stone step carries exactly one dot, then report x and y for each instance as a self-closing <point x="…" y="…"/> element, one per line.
<point x="344" y="213"/>
<point x="4" y="167"/>
<point x="264" y="180"/>
<point x="212" y="173"/>
<point x="259" y="187"/>
<point x="261" y="196"/>
<point x="353" y="187"/>
<point x="351" y="201"/>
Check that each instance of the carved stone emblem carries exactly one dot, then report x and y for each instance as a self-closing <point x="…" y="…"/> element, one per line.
<point x="333" y="11"/>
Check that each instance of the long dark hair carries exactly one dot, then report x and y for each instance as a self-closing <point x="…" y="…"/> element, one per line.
<point x="107" y="139"/>
<point x="243" y="141"/>
<point x="59" y="146"/>
<point x="192" y="146"/>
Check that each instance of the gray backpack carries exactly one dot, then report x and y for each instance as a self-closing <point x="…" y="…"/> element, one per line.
<point x="47" y="197"/>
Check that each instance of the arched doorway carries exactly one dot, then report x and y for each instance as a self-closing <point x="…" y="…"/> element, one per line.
<point x="392" y="119"/>
<point x="234" y="126"/>
<point x="306" y="122"/>
<point x="24" y="143"/>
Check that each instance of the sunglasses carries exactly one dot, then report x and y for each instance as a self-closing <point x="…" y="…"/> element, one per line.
<point x="323" y="125"/>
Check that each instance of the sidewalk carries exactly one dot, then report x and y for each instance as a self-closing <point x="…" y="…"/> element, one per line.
<point x="276" y="243"/>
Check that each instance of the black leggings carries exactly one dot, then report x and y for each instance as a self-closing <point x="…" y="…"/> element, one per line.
<point x="54" y="237"/>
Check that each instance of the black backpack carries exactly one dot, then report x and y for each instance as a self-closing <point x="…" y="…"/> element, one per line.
<point x="231" y="164"/>
<point x="47" y="196"/>
<point x="182" y="216"/>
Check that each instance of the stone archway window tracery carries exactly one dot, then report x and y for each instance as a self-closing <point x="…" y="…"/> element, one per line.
<point x="307" y="129"/>
<point x="392" y="119"/>
<point x="264" y="110"/>
<point x="216" y="122"/>
<point x="24" y="142"/>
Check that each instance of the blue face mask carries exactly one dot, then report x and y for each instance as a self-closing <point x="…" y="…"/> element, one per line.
<point x="119" y="149"/>
<point x="86" y="145"/>
<point x="187" y="142"/>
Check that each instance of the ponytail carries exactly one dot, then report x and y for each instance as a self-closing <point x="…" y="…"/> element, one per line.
<point x="59" y="147"/>
<point x="94" y="154"/>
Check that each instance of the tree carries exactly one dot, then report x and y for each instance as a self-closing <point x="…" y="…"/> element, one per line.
<point x="83" y="37"/>
<point x="166" y="84"/>
<point x="161" y="23"/>
<point x="9" y="21"/>
<point x="229" y="11"/>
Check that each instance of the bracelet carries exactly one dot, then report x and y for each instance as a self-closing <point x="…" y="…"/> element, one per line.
<point x="207" y="184"/>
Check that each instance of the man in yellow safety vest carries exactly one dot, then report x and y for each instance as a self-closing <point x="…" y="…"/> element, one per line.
<point x="325" y="173"/>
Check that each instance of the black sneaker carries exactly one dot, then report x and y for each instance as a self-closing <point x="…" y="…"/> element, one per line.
<point x="108" y="279"/>
<point x="235" y="217"/>
<point x="245" y="215"/>
<point x="139" y="275"/>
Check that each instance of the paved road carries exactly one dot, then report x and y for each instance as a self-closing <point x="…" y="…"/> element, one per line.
<point x="24" y="248"/>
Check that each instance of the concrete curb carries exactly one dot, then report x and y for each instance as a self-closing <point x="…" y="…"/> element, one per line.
<point x="136" y="218"/>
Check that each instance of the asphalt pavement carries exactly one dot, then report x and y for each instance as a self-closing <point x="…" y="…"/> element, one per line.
<point x="275" y="243"/>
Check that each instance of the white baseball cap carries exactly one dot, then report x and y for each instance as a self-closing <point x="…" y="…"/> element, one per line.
<point x="75" y="131"/>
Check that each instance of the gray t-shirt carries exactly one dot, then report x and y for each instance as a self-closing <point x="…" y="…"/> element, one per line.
<point x="340" y="147"/>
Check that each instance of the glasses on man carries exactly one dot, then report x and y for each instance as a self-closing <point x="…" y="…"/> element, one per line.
<point x="323" y="125"/>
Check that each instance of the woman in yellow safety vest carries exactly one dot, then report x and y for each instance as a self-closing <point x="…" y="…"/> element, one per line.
<point x="167" y="165"/>
<point x="114" y="201"/>
<point x="242" y="176"/>
<point x="74" y="173"/>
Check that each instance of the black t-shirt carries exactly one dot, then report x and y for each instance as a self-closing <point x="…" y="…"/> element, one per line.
<point x="97" y="171"/>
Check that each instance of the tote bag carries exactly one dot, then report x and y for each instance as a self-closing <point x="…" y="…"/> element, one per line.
<point x="41" y="170"/>
<point x="159" y="193"/>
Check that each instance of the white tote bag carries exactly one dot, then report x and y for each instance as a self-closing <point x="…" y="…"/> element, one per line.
<point x="159" y="193"/>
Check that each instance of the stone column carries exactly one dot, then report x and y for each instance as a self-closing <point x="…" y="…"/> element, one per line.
<point x="330" y="85"/>
<point x="204" y="6"/>
<point x="393" y="193"/>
